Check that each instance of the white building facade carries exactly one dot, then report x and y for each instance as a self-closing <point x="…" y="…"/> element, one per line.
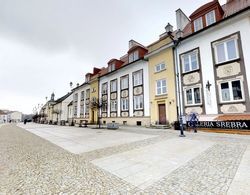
<point x="81" y="103"/>
<point x="213" y="62"/>
<point x="124" y="90"/>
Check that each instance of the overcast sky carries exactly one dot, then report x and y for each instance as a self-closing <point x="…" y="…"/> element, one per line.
<point x="45" y="44"/>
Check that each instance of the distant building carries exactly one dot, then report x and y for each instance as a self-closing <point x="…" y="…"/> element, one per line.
<point x="11" y="116"/>
<point x="16" y="117"/>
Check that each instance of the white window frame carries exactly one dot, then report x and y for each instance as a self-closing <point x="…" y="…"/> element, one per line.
<point x="189" y="54"/>
<point x="161" y="87"/>
<point x="113" y="105"/>
<point x="75" y="110"/>
<point x="104" y="88"/>
<point x="104" y="107"/>
<point x="87" y="93"/>
<point x="193" y="99"/>
<point x="87" y="109"/>
<point x="137" y="78"/>
<point x="231" y="90"/>
<point x="124" y="104"/>
<point x="124" y="78"/>
<point x="196" y="23"/>
<point x="133" y="56"/>
<point x="113" y="86"/>
<point x="137" y="102"/>
<point x="82" y="109"/>
<point x="111" y="67"/>
<point x="235" y="38"/>
<point x="207" y="19"/>
<point x="160" y="67"/>
<point x="82" y="95"/>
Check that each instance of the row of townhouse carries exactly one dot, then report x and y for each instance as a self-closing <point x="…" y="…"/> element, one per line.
<point x="57" y="111"/>
<point x="201" y="67"/>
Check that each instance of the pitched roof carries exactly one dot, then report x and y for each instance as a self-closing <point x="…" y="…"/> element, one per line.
<point x="229" y="8"/>
<point x="234" y="6"/>
<point x="59" y="100"/>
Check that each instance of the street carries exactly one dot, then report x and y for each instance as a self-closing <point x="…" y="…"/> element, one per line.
<point x="46" y="159"/>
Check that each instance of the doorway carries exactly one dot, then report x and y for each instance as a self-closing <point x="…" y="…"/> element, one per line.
<point x="162" y="114"/>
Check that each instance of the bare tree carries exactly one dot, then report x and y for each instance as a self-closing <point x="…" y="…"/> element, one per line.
<point x="98" y="104"/>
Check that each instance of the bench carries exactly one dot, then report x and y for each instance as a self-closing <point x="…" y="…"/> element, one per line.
<point x="113" y="126"/>
<point x="83" y="123"/>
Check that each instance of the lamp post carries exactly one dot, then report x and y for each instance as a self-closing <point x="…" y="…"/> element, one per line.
<point x="179" y="35"/>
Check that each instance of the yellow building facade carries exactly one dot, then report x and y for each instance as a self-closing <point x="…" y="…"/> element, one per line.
<point x="162" y="86"/>
<point x="94" y="92"/>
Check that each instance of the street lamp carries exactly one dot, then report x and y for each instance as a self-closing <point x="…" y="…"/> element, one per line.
<point x="179" y="35"/>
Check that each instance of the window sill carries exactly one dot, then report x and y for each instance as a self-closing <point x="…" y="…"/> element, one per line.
<point x="192" y="71"/>
<point x="161" y="96"/>
<point x="232" y="102"/>
<point x="227" y="62"/>
<point x="193" y="105"/>
<point x="160" y="71"/>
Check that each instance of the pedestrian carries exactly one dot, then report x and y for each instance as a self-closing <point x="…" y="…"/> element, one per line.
<point x="194" y="121"/>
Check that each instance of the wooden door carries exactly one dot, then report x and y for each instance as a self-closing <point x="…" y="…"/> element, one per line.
<point x="162" y="114"/>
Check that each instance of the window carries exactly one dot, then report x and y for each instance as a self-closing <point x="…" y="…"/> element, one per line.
<point x="87" y="109"/>
<point x="104" y="88"/>
<point x="160" y="67"/>
<point x="133" y="56"/>
<point x="87" y="93"/>
<point x="111" y="67"/>
<point x="75" y="110"/>
<point x="137" y="78"/>
<point x="161" y="87"/>
<point x="198" y="24"/>
<point x="210" y="18"/>
<point x="104" y="107"/>
<point x="124" y="82"/>
<point x="82" y="109"/>
<point x="82" y="95"/>
<point x="226" y="50"/>
<point x="190" y="61"/>
<point x="231" y="91"/>
<point x="138" y="102"/>
<point x="193" y="96"/>
<point x="113" y="105"/>
<point x="76" y="97"/>
<point x="113" y="86"/>
<point x="124" y="104"/>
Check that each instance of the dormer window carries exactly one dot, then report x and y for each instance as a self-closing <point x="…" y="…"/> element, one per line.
<point x="111" y="67"/>
<point x="133" y="56"/>
<point x="198" y="25"/>
<point x="210" y="18"/>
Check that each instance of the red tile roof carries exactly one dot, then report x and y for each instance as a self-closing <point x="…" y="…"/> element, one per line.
<point x="229" y="8"/>
<point x="234" y="6"/>
<point x="203" y="7"/>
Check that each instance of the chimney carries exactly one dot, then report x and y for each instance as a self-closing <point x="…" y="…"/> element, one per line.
<point x="181" y="19"/>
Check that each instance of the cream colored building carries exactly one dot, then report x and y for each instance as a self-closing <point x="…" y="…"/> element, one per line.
<point x="162" y="81"/>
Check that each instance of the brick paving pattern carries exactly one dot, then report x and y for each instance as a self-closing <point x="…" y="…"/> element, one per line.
<point x="32" y="165"/>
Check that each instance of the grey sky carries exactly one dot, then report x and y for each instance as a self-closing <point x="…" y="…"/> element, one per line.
<point x="45" y="44"/>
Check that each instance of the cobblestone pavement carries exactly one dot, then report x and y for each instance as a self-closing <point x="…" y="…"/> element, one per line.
<point x="32" y="165"/>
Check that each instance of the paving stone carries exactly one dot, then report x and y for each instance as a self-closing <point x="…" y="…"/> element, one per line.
<point x="32" y="165"/>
